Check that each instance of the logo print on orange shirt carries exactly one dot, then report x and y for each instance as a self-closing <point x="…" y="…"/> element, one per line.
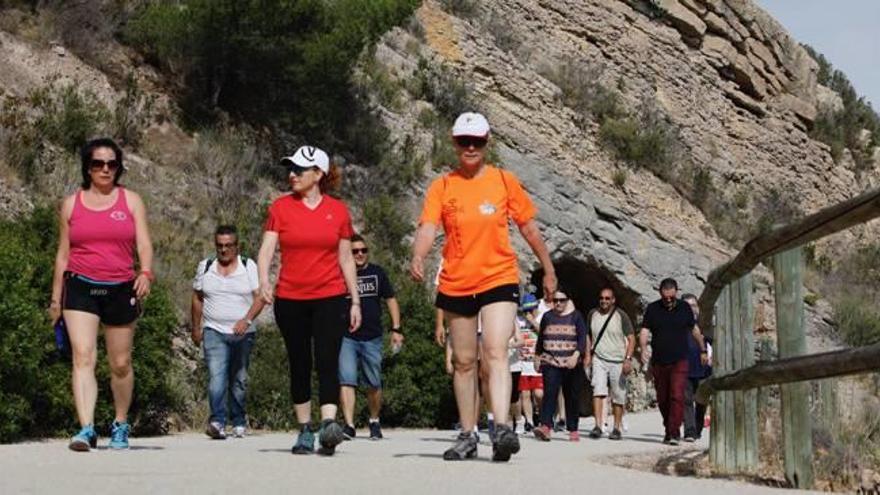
<point x="118" y="215"/>
<point x="487" y="208"/>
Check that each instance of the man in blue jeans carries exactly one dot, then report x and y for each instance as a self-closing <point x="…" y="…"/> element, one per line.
<point x="225" y="303"/>
<point x="363" y="348"/>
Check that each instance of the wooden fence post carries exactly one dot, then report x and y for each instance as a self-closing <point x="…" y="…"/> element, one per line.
<point x="796" y="421"/>
<point x="734" y="433"/>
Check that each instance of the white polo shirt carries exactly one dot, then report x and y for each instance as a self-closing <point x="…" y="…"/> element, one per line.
<point x="227" y="298"/>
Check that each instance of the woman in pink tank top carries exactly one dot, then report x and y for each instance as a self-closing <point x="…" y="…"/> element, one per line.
<point x="101" y="227"/>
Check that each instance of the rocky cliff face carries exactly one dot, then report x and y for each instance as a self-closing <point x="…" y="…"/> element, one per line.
<point x="740" y="91"/>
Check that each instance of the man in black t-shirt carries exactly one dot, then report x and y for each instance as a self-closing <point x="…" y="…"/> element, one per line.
<point x="363" y="348"/>
<point x="670" y="322"/>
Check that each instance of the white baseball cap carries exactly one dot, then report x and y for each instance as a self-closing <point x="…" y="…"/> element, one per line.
<point x="308" y="156"/>
<point x="471" y="124"/>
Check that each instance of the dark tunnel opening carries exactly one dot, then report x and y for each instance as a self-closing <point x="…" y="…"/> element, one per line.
<point x="584" y="279"/>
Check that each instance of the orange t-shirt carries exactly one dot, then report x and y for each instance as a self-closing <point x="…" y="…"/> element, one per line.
<point x="474" y="212"/>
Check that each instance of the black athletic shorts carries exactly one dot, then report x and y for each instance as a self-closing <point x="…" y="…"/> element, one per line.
<point x="114" y="303"/>
<point x="470" y="305"/>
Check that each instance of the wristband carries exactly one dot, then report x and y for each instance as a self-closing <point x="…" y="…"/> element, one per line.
<point x="249" y="322"/>
<point x="149" y="275"/>
<point x="397" y="330"/>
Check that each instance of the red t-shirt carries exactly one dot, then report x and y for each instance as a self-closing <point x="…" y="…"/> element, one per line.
<point x="309" y="241"/>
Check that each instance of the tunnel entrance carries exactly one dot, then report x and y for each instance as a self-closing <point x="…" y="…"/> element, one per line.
<point x="584" y="280"/>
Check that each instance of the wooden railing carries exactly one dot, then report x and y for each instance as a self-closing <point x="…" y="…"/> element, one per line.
<point x="726" y="313"/>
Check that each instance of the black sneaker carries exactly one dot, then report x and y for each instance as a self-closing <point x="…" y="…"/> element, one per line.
<point x="596" y="432"/>
<point x="375" y="431"/>
<point x="329" y="436"/>
<point x="529" y="427"/>
<point x="689" y="439"/>
<point x="559" y="426"/>
<point x="674" y="441"/>
<point x="506" y="444"/>
<point x="465" y="448"/>
<point x="348" y="432"/>
<point x="615" y="435"/>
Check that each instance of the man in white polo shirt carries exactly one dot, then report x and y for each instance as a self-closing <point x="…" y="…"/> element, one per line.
<point x="225" y="303"/>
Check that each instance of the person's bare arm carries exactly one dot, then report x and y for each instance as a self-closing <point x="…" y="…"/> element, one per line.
<point x="197" y="306"/>
<point x="643" y="344"/>
<point x="698" y="337"/>
<point x="144" y="245"/>
<point x="241" y="326"/>
<point x="439" y="328"/>
<point x="349" y="273"/>
<point x="62" y="255"/>
<point x="424" y="239"/>
<point x="397" y="338"/>
<point x="627" y="359"/>
<point x="264" y="260"/>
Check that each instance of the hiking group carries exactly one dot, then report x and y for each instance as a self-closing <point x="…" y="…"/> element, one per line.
<point x="526" y="359"/>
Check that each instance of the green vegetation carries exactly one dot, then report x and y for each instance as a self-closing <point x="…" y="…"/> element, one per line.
<point x="842" y="129"/>
<point x="643" y="138"/>
<point x="285" y="62"/>
<point x="35" y="398"/>
<point x="466" y="9"/>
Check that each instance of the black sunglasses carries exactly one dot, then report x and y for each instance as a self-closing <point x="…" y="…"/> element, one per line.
<point x="297" y="170"/>
<point x="558" y="300"/>
<point x="228" y="245"/>
<point x="360" y="251"/>
<point x="97" y="164"/>
<point x="468" y="141"/>
<point x="605" y="298"/>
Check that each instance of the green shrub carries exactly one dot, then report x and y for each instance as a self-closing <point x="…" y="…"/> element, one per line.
<point x="840" y="129"/>
<point x="132" y="113"/>
<point x="67" y="116"/>
<point x="619" y="177"/>
<point x="581" y="91"/>
<point x="35" y="398"/>
<point x="284" y="62"/>
<point x="776" y="207"/>
<point x="441" y="86"/>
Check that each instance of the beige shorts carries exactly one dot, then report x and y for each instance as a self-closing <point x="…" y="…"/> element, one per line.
<point x="605" y="372"/>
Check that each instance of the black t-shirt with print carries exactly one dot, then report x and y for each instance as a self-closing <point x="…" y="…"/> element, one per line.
<point x="374" y="288"/>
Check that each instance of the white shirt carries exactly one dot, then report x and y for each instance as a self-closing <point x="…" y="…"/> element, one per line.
<point x="227" y="297"/>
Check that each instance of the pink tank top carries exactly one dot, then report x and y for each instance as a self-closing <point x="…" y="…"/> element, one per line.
<point x="102" y="243"/>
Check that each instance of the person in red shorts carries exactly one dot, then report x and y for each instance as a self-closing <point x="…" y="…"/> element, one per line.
<point x="531" y="385"/>
<point x="313" y="231"/>
<point x="475" y="204"/>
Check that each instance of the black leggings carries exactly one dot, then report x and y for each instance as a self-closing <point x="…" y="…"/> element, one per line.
<point x="571" y="382"/>
<point x="302" y="321"/>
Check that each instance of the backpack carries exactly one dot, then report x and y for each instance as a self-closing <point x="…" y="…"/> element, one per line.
<point x="212" y="259"/>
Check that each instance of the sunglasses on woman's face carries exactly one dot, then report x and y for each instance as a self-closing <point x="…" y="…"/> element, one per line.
<point x="360" y="251"/>
<point x="468" y="141"/>
<point x="560" y="300"/>
<point x="96" y="164"/>
<point x="298" y="171"/>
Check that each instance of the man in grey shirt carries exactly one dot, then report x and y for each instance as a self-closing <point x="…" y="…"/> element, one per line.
<point x="612" y="341"/>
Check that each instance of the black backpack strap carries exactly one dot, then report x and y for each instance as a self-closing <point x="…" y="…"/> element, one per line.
<point x="602" y="331"/>
<point x="208" y="264"/>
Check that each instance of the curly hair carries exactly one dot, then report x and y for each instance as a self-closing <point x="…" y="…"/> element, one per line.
<point x="331" y="180"/>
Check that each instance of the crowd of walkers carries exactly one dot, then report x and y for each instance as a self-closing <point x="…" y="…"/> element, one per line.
<point x="526" y="360"/>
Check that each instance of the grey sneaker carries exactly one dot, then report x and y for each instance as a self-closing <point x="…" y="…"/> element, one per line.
<point x="596" y="432"/>
<point x="329" y="436"/>
<point x="688" y="439"/>
<point x="674" y="441"/>
<point x="615" y="435"/>
<point x="465" y="448"/>
<point x="506" y="444"/>
<point x="239" y="431"/>
<point x="216" y="431"/>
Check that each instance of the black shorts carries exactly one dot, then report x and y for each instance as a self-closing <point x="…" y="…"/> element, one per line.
<point x="514" y="389"/>
<point x="114" y="303"/>
<point x="470" y="305"/>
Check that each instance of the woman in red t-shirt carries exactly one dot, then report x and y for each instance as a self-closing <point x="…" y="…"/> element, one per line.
<point x="317" y="275"/>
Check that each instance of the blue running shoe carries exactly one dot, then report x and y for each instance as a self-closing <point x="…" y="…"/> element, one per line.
<point x="119" y="435"/>
<point x="85" y="440"/>
<point x="305" y="442"/>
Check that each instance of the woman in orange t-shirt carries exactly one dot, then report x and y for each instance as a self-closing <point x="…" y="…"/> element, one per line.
<point x="479" y="279"/>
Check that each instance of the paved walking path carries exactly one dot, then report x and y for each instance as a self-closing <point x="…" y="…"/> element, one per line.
<point x="407" y="461"/>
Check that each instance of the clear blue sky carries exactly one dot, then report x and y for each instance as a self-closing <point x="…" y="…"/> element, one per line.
<point x="847" y="32"/>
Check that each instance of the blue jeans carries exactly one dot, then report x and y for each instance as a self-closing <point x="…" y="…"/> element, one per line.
<point x="367" y="354"/>
<point x="227" y="357"/>
<point x="570" y="381"/>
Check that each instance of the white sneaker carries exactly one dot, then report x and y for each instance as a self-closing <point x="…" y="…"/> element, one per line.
<point x="239" y="431"/>
<point x="216" y="431"/>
